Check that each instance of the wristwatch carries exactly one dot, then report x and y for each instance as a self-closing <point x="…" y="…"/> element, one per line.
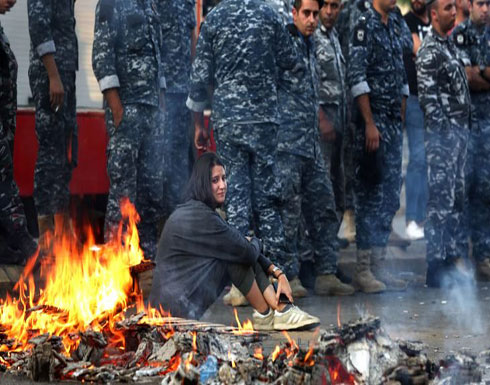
<point x="274" y="271"/>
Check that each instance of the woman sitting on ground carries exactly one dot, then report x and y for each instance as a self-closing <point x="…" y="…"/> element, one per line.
<point x="199" y="253"/>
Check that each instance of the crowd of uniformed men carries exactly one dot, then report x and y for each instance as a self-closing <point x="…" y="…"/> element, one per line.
<point x="309" y="102"/>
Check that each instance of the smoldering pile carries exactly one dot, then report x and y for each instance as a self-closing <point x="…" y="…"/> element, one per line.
<point x="188" y="352"/>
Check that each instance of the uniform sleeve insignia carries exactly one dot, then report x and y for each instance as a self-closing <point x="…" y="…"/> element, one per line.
<point x="460" y="39"/>
<point x="360" y="34"/>
<point x="367" y="4"/>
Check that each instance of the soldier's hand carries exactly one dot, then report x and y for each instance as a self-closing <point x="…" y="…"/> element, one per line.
<point x="372" y="137"/>
<point x="327" y="131"/>
<point x="56" y="93"/>
<point x="117" y="115"/>
<point x="201" y="138"/>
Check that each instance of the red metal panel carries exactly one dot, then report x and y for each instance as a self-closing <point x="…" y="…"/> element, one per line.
<point x="90" y="176"/>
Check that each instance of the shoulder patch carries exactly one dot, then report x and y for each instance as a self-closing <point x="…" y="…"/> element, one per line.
<point x="360" y="35"/>
<point x="460" y="39"/>
<point x="106" y="10"/>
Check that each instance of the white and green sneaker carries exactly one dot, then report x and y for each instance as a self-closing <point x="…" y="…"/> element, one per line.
<point x="293" y="318"/>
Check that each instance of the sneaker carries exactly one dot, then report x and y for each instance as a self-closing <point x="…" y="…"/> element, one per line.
<point x="293" y="318"/>
<point x="235" y="298"/>
<point x="297" y="288"/>
<point x="414" y="231"/>
<point x="263" y="322"/>
<point x="329" y="284"/>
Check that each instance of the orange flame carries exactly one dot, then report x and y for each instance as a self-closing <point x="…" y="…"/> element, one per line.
<point x="232" y="359"/>
<point x="247" y="327"/>
<point x="84" y="286"/>
<point x="338" y="374"/>
<point x="339" y="324"/>
<point x="276" y="353"/>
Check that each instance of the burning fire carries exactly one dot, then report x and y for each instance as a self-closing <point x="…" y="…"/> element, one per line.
<point x="84" y="287"/>
<point x="247" y="327"/>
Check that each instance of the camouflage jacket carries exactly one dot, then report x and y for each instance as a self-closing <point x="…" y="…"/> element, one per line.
<point x="473" y="45"/>
<point x="8" y="88"/>
<point x="240" y="48"/>
<point x="52" y="31"/>
<point x="376" y="63"/>
<point x="298" y="100"/>
<point x="349" y="16"/>
<point x="284" y="8"/>
<point x="178" y="23"/>
<point x="442" y="84"/>
<point x="330" y="67"/>
<point x="127" y="50"/>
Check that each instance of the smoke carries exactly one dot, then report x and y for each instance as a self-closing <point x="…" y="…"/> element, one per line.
<point x="462" y="294"/>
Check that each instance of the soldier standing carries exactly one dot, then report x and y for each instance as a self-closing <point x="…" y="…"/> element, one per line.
<point x="12" y="217"/>
<point x="379" y="85"/>
<point x="241" y="45"/>
<point x="445" y="99"/>
<point x="53" y="64"/>
<point x="307" y="190"/>
<point x="127" y="62"/>
<point x="178" y="23"/>
<point x="472" y="38"/>
<point x="332" y="93"/>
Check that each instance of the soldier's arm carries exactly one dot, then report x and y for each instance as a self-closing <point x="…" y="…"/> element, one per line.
<point x="40" y="14"/>
<point x="104" y="56"/>
<point x="428" y="67"/>
<point x="475" y="79"/>
<point x="359" y="49"/>
<point x="285" y="54"/>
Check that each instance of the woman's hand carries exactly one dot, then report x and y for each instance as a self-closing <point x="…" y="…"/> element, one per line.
<point x="283" y="288"/>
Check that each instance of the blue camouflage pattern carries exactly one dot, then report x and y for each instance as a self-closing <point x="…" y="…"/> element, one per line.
<point x="304" y="179"/>
<point x="376" y="68"/>
<point x="12" y="217"/>
<point x="178" y="23"/>
<point x="445" y="99"/>
<point x="284" y="8"/>
<point x="244" y="80"/>
<point x="127" y="55"/>
<point x="52" y="31"/>
<point x="473" y="44"/>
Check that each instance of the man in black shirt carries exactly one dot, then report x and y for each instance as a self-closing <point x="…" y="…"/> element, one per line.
<point x="416" y="180"/>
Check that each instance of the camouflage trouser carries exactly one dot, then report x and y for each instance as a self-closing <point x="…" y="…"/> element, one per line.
<point x="248" y="152"/>
<point x="134" y="165"/>
<point x="12" y="216"/>
<point x="376" y="205"/>
<point x="479" y="190"/>
<point x="57" y="137"/>
<point x="307" y="191"/>
<point x="334" y="157"/>
<point x="446" y="158"/>
<point x="176" y="149"/>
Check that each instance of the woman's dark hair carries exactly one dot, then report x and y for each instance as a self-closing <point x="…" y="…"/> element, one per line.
<point x="199" y="185"/>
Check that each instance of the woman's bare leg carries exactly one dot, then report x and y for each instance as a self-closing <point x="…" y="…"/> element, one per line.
<point x="270" y="297"/>
<point x="256" y="299"/>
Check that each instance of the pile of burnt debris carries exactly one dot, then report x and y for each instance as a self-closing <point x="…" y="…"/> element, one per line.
<point x="185" y="352"/>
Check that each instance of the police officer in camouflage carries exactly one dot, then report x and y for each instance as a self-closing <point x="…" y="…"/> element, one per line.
<point x="53" y="63"/>
<point x="12" y="217"/>
<point x="472" y="38"/>
<point x="378" y="83"/>
<point x="242" y="44"/>
<point x="307" y="189"/>
<point x="445" y="99"/>
<point x="332" y="93"/>
<point x="127" y="62"/>
<point x="178" y="23"/>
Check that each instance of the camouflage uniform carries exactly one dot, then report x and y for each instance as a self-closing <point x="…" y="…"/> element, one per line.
<point x="12" y="218"/>
<point x="474" y="48"/>
<point x="284" y="8"/>
<point x="376" y="68"/>
<point x="127" y="55"/>
<point x="245" y="108"/>
<point x="306" y="187"/>
<point x="333" y="99"/>
<point x="445" y="99"/>
<point x="178" y="23"/>
<point x="52" y="31"/>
